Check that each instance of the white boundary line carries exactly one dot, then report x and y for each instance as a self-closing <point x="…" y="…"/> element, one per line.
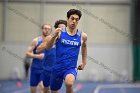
<point x="116" y="86"/>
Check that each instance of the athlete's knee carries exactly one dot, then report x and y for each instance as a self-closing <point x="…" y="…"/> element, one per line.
<point x="33" y="89"/>
<point x="69" y="80"/>
<point x="52" y="91"/>
<point x="47" y="90"/>
<point x="69" y="84"/>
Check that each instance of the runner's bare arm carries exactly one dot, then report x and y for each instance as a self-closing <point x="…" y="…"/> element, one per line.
<point x="30" y="49"/>
<point x="84" y="51"/>
<point x="52" y="38"/>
